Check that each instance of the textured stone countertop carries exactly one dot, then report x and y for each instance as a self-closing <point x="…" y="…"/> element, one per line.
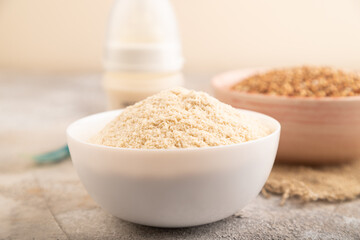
<point x="49" y="202"/>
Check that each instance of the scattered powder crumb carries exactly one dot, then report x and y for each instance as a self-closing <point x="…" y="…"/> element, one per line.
<point x="303" y="81"/>
<point x="179" y="118"/>
<point x="329" y="183"/>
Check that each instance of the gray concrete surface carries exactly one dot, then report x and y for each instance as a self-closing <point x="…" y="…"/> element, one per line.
<point x="49" y="202"/>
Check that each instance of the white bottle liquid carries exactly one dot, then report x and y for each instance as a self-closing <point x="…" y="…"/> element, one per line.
<point x="143" y="52"/>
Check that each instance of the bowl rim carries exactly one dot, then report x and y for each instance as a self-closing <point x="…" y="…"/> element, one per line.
<point x="69" y="134"/>
<point x="232" y="73"/>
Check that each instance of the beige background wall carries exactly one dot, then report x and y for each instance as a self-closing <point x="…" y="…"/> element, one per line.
<point x="67" y="35"/>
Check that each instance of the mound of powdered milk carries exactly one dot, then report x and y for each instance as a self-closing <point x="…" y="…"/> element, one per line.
<point x="179" y="118"/>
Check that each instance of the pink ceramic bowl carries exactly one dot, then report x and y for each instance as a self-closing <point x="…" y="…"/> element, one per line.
<point x="314" y="130"/>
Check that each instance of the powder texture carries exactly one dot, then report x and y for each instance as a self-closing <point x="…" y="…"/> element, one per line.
<point x="303" y="81"/>
<point x="179" y="118"/>
<point x="330" y="183"/>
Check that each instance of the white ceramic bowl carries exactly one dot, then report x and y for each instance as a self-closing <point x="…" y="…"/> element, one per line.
<point x="174" y="187"/>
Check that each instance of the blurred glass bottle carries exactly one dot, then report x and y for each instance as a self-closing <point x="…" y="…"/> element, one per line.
<point x="142" y="52"/>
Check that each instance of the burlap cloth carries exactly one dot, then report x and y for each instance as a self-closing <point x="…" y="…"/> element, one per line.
<point x="328" y="183"/>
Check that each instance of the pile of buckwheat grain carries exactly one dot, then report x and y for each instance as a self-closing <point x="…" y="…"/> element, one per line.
<point x="303" y="81"/>
<point x="180" y="118"/>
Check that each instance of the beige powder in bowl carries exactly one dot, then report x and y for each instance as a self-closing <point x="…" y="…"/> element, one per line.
<point x="179" y="118"/>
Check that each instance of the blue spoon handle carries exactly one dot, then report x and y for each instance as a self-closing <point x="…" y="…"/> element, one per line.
<point x="53" y="156"/>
